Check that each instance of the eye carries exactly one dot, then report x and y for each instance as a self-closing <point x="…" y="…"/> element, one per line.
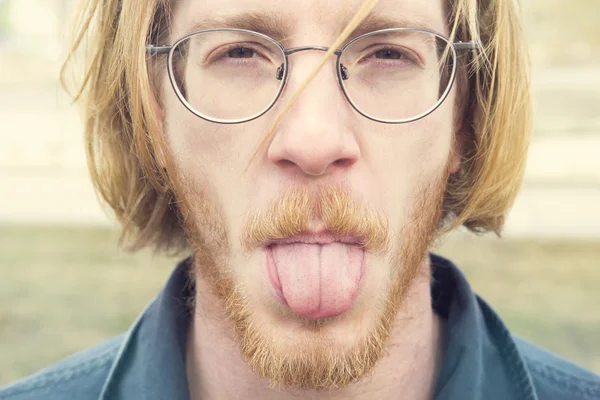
<point x="241" y="52"/>
<point x="395" y="53"/>
<point x="389" y="54"/>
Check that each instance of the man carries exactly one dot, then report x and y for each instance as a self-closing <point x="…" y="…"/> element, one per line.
<point x="306" y="154"/>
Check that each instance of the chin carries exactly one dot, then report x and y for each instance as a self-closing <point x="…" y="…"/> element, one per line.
<point x="288" y="330"/>
<point x="296" y="352"/>
<point x="293" y="351"/>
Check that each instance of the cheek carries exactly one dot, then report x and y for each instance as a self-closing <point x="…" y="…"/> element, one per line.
<point x="193" y="140"/>
<point x="404" y="158"/>
<point x="434" y="135"/>
<point x="421" y="146"/>
<point x="217" y="153"/>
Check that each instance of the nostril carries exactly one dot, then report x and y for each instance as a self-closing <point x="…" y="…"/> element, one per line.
<point x="343" y="163"/>
<point x="284" y="163"/>
<point x="310" y="167"/>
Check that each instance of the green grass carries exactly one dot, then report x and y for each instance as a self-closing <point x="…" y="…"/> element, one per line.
<point x="65" y="289"/>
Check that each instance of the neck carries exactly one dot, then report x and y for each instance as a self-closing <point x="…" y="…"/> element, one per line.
<point x="409" y="367"/>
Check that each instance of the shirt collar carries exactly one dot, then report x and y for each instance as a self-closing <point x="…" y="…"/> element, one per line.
<point x="151" y="362"/>
<point x="481" y="359"/>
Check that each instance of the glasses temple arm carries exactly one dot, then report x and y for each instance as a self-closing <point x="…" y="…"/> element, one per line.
<point x="473" y="45"/>
<point x="154" y="50"/>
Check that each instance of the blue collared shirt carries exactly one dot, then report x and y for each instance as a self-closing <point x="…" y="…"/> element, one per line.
<point x="482" y="359"/>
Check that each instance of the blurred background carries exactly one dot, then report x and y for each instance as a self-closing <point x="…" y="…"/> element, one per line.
<point x="66" y="286"/>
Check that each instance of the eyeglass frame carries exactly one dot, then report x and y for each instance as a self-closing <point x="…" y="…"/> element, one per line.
<point x="455" y="47"/>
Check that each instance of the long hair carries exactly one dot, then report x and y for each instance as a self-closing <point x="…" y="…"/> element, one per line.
<point x="126" y="148"/>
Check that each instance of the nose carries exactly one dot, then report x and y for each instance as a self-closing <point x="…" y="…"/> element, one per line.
<point x="314" y="138"/>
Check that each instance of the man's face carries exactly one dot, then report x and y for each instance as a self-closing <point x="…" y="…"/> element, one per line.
<point x="310" y="246"/>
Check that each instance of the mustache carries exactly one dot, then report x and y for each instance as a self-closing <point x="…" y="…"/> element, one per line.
<point x="332" y="206"/>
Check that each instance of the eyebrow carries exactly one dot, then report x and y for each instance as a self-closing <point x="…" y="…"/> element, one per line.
<point x="267" y="23"/>
<point x="279" y="28"/>
<point x="374" y="22"/>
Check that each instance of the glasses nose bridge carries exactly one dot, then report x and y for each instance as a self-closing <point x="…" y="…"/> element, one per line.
<point x="308" y="48"/>
<point x="294" y="50"/>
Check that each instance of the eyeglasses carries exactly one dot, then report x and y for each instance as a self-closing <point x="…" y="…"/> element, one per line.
<point x="393" y="76"/>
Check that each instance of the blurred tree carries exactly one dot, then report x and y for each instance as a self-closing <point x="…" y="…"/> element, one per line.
<point x="4" y="19"/>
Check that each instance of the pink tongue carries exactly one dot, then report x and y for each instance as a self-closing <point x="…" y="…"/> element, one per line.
<point x="319" y="280"/>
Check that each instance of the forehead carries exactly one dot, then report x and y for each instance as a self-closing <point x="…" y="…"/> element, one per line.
<point x="314" y="19"/>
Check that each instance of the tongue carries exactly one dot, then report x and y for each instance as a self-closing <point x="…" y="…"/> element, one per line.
<point x="319" y="280"/>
